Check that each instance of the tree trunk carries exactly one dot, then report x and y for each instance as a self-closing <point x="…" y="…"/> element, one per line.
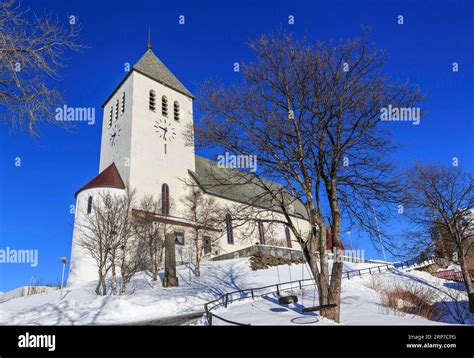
<point x="99" y="283"/>
<point x="338" y="262"/>
<point x="123" y="289"/>
<point x="312" y="258"/>
<point x="324" y="278"/>
<point x="101" y="288"/>
<point x="124" y="272"/>
<point x="197" y="265"/>
<point x="104" y="286"/>
<point x="114" y="278"/>
<point x="335" y="287"/>
<point x="198" y="268"/>
<point x="467" y="283"/>
<point x="154" y="265"/>
<point x="316" y="250"/>
<point x="154" y="276"/>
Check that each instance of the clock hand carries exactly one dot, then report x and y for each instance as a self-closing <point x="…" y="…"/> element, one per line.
<point x="165" y="129"/>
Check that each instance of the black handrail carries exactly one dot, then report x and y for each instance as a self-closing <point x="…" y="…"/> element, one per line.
<point x="225" y="297"/>
<point x="229" y="321"/>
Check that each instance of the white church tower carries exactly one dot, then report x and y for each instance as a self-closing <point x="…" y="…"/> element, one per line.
<point x="142" y="146"/>
<point x="142" y="129"/>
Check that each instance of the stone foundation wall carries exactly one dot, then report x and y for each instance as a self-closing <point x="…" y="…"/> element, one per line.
<point x="250" y="251"/>
<point x="260" y="261"/>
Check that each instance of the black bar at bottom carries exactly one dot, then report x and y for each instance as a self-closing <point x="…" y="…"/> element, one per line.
<point x="448" y="341"/>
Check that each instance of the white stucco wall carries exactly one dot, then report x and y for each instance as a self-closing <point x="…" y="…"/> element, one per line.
<point x="150" y="167"/>
<point x="119" y="153"/>
<point x="83" y="267"/>
<point x="247" y="234"/>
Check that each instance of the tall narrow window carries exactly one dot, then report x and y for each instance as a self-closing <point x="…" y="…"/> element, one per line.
<point x="179" y="238"/>
<point x="89" y="205"/>
<point x="176" y="110"/>
<point x="116" y="109"/>
<point x="164" y="106"/>
<point x="152" y="101"/>
<point x="122" y="107"/>
<point x="230" y="230"/>
<point x="261" y="233"/>
<point x="288" y="236"/>
<point x="111" y="114"/>
<point x="207" y="245"/>
<point x="165" y="199"/>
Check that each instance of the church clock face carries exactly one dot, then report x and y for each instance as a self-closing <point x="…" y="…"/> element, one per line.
<point x="114" y="135"/>
<point x="165" y="130"/>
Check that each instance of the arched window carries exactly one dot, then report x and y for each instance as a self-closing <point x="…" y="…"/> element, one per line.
<point x="288" y="236"/>
<point x="176" y="110"/>
<point x="89" y="205"/>
<point x="261" y="233"/>
<point x="164" y="106"/>
<point x="111" y="114"/>
<point x="230" y="231"/>
<point x="122" y="107"/>
<point x="152" y="101"/>
<point x="165" y="199"/>
<point x="116" y="109"/>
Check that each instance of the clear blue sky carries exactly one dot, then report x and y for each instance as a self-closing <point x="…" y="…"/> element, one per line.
<point x="35" y="198"/>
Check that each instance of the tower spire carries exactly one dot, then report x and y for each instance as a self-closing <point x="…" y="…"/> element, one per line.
<point x="148" y="46"/>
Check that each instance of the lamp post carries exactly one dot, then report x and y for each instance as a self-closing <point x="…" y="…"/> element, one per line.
<point x="349" y="235"/>
<point x="378" y="235"/>
<point x="64" y="262"/>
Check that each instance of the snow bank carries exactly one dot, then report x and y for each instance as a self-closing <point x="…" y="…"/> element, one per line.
<point x="360" y="304"/>
<point x="150" y="301"/>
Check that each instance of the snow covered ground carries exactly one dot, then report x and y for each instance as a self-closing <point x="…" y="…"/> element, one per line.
<point x="360" y="305"/>
<point x="147" y="301"/>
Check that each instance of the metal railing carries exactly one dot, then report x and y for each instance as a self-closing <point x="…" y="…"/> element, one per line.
<point x="252" y="293"/>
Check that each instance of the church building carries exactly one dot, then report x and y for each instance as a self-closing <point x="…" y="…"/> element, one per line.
<point x="143" y="147"/>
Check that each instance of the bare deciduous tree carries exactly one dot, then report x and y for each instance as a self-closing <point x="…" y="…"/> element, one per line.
<point x="441" y="199"/>
<point x="99" y="235"/>
<point x="107" y="234"/>
<point x="303" y="110"/>
<point x="131" y="248"/>
<point x="206" y="216"/>
<point x="32" y="52"/>
<point x="151" y="232"/>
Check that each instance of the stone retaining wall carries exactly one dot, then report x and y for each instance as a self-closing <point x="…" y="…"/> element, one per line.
<point x="280" y="252"/>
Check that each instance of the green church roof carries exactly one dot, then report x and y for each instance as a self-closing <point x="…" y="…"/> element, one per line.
<point x="243" y="187"/>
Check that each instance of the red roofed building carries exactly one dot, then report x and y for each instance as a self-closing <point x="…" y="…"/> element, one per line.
<point x="108" y="178"/>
